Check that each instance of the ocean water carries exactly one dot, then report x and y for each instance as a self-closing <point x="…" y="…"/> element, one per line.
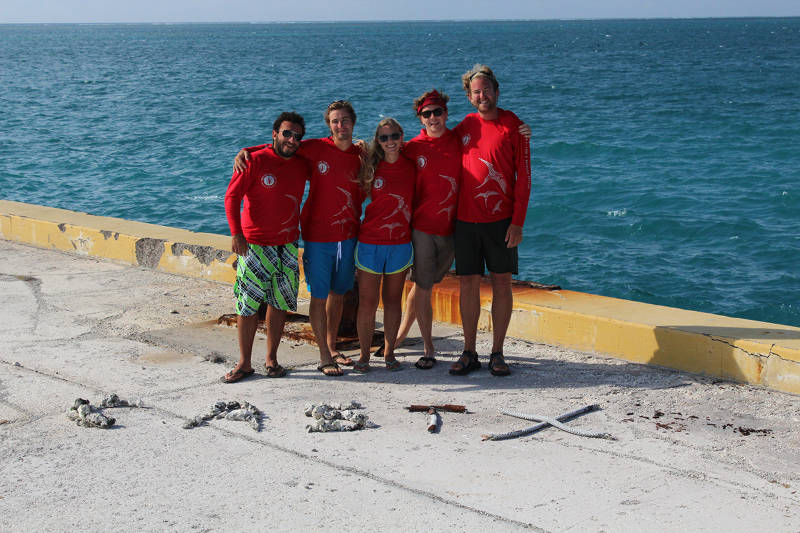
<point x="665" y="153"/>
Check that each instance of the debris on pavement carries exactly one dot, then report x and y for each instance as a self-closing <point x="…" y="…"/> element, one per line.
<point x="336" y="417"/>
<point x="433" y="420"/>
<point x="451" y="408"/>
<point x="232" y="410"/>
<point x="83" y="414"/>
<point x="545" y="421"/>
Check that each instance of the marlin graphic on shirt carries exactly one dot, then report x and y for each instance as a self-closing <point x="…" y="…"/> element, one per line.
<point x="453" y="187"/>
<point x="349" y="204"/>
<point x="492" y="175"/>
<point x="296" y="202"/>
<point x="448" y="210"/>
<point x="401" y="208"/>
<point x="486" y="195"/>
<point x="391" y="227"/>
<point x="497" y="207"/>
<point x="341" y="221"/>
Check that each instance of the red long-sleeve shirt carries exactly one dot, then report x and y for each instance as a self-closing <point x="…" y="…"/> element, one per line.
<point x="272" y="188"/>
<point x="438" y="162"/>
<point x="496" y="173"/>
<point x="387" y="218"/>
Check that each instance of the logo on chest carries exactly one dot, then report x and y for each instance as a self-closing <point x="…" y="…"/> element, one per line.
<point x="323" y="167"/>
<point x="465" y="139"/>
<point x="422" y="161"/>
<point x="378" y="183"/>
<point x="268" y="181"/>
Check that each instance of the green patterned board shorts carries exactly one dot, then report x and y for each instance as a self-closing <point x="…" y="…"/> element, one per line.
<point x="267" y="274"/>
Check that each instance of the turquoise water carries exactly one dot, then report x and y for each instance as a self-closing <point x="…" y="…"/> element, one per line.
<point x="666" y="156"/>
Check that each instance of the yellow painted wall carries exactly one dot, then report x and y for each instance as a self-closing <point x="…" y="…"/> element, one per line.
<point x="731" y="348"/>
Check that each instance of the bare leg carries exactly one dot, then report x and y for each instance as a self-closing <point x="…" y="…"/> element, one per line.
<point x="276" y="319"/>
<point x="470" y="306"/>
<point x="424" y="312"/>
<point x="368" y="285"/>
<point x="247" y="326"/>
<point x="319" y="325"/>
<point x="502" y="303"/>
<point x="410" y="316"/>
<point x="392" y="310"/>
<point x="333" y="312"/>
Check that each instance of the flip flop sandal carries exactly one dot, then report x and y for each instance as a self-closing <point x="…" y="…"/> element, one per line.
<point x="496" y="360"/>
<point x="465" y="368"/>
<point x="341" y="359"/>
<point x="394" y="366"/>
<point x="276" y="371"/>
<point x="361" y="368"/>
<point x="425" y="363"/>
<point x="238" y="375"/>
<point x="322" y="368"/>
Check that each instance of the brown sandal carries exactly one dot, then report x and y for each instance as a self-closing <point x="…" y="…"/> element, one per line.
<point x="237" y="375"/>
<point x="276" y="371"/>
<point x="334" y="372"/>
<point x="497" y="365"/>
<point x="465" y="364"/>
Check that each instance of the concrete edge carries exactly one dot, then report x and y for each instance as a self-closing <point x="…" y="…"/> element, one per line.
<point x="748" y="351"/>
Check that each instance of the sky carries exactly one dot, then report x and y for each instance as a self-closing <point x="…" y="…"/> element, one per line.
<point x="31" y="11"/>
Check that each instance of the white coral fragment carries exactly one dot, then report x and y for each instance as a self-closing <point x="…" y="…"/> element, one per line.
<point x="336" y="417"/>
<point x="243" y="411"/>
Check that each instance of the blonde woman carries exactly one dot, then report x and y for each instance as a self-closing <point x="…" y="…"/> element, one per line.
<point x="384" y="252"/>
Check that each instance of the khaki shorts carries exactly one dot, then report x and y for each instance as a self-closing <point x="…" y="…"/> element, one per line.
<point x="433" y="257"/>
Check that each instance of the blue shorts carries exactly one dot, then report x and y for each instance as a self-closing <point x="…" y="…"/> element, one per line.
<point x="384" y="258"/>
<point x="329" y="267"/>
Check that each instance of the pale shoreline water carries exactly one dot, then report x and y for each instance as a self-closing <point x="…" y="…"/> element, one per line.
<point x="663" y="161"/>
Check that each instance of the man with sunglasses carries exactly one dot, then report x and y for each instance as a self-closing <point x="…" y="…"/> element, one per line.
<point x="264" y="229"/>
<point x="493" y="201"/>
<point x="329" y="221"/>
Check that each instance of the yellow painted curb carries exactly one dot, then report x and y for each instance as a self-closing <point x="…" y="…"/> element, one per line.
<point x="743" y="350"/>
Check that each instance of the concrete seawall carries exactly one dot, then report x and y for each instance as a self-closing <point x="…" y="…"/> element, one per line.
<point x="742" y="350"/>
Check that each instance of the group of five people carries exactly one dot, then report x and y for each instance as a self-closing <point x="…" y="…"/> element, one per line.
<point x="448" y="193"/>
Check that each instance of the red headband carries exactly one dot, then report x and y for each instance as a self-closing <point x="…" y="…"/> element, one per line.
<point x="433" y="98"/>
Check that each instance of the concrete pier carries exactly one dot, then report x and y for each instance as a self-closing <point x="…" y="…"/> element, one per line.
<point x="691" y="452"/>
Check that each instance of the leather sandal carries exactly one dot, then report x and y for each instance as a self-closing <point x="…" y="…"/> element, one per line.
<point x="497" y="364"/>
<point x="465" y="364"/>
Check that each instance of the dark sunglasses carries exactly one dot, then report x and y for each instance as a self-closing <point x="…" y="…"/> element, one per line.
<point x="289" y="133"/>
<point x="394" y="136"/>
<point x="435" y="112"/>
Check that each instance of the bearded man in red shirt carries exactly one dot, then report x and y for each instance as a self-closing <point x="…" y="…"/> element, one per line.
<point x="264" y="230"/>
<point x="492" y="203"/>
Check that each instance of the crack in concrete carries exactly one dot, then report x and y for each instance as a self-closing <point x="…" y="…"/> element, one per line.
<point x="769" y="354"/>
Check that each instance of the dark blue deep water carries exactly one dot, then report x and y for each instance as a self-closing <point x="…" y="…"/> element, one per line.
<point x="666" y="153"/>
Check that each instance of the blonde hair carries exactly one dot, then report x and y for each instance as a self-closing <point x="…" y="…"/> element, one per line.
<point x="374" y="155"/>
<point x="478" y="71"/>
